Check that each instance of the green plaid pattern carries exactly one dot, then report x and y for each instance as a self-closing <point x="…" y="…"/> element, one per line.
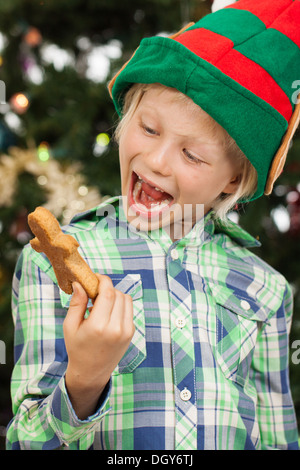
<point x="207" y="367"/>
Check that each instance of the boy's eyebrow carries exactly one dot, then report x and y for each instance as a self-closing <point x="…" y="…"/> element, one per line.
<point x="203" y="139"/>
<point x="146" y="108"/>
<point x="195" y="137"/>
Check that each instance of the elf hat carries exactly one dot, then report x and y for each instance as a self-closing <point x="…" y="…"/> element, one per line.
<point x="241" y="64"/>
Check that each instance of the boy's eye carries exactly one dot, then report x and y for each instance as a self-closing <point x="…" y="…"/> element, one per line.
<point x="148" y="130"/>
<point x="192" y="157"/>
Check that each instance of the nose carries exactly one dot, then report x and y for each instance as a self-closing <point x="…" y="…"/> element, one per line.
<point x="160" y="159"/>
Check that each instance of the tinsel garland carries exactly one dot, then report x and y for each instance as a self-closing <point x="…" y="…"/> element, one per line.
<point x="66" y="188"/>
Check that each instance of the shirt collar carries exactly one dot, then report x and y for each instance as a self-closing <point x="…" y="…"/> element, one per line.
<point x="236" y="233"/>
<point x="202" y="231"/>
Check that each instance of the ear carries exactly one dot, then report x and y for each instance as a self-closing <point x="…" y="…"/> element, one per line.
<point x="280" y="157"/>
<point x="232" y="186"/>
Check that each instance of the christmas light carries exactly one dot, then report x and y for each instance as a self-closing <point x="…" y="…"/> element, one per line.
<point x="103" y="139"/>
<point x="77" y="205"/>
<point x="292" y="197"/>
<point x="67" y="214"/>
<point x="43" y="152"/>
<point x="19" y="102"/>
<point x="61" y="202"/>
<point x="101" y="143"/>
<point x="83" y="190"/>
<point x="281" y="218"/>
<point x="33" y="37"/>
<point x="42" y="180"/>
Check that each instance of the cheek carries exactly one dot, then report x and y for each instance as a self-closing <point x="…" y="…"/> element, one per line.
<point x="124" y="151"/>
<point x="129" y="146"/>
<point x="201" y="185"/>
<point x="123" y="148"/>
<point x="189" y="187"/>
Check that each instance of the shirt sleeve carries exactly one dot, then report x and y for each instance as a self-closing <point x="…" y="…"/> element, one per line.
<point x="270" y="369"/>
<point x="43" y="414"/>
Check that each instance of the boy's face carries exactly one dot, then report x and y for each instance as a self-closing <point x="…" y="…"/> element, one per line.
<point x="172" y="166"/>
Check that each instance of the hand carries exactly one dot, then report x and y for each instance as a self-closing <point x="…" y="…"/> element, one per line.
<point x="95" y="344"/>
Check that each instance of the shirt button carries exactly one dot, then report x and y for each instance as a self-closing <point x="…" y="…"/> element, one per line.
<point x="174" y="254"/>
<point x="180" y="322"/>
<point x="185" y="394"/>
<point x="245" y="305"/>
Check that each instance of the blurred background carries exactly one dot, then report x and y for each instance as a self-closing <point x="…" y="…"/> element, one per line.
<point x="56" y="127"/>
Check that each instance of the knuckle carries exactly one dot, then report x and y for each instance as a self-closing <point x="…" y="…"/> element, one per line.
<point x="109" y="293"/>
<point x="116" y="334"/>
<point x="118" y="293"/>
<point x="130" y="334"/>
<point x="129" y="298"/>
<point x="76" y="300"/>
<point x="129" y="330"/>
<point x="98" y="331"/>
<point x="66" y="327"/>
<point x="105" y="280"/>
<point x="132" y="331"/>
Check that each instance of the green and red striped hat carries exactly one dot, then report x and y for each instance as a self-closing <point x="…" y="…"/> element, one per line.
<point x="241" y="64"/>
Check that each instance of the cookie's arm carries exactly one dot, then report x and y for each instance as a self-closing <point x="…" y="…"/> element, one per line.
<point x="36" y="245"/>
<point x="66" y="243"/>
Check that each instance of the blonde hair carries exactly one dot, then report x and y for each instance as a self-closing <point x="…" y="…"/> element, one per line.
<point x="248" y="175"/>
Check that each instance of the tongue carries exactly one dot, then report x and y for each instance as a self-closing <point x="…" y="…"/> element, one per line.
<point x="152" y="192"/>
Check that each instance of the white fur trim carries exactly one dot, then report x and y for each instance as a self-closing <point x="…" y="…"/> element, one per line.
<point x="219" y="4"/>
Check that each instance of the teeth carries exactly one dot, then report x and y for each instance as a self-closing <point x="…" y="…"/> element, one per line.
<point x="161" y="204"/>
<point x="137" y="188"/>
<point x="141" y="180"/>
<point x="154" y="204"/>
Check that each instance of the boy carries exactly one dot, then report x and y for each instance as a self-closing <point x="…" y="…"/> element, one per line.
<point x="186" y="345"/>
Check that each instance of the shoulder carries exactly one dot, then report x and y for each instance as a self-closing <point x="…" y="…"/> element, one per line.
<point x="89" y="219"/>
<point x="245" y="273"/>
<point x="240" y="245"/>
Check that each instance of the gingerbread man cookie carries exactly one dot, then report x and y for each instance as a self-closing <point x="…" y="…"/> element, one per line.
<point x="62" y="251"/>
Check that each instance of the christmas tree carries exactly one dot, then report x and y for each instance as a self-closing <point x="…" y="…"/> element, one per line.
<point x="56" y="134"/>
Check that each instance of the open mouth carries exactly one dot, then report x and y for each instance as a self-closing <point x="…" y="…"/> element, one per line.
<point x="147" y="198"/>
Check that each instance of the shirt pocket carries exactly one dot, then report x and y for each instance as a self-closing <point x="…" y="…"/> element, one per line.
<point x="136" y="353"/>
<point x="238" y="318"/>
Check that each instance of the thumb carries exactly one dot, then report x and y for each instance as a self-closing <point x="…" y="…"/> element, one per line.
<point x="77" y="306"/>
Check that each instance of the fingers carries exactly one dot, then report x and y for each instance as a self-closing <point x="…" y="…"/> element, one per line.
<point x="128" y="315"/>
<point x="121" y="319"/>
<point x="112" y="308"/>
<point x="111" y="313"/>
<point x="77" y="307"/>
<point x="104" y="301"/>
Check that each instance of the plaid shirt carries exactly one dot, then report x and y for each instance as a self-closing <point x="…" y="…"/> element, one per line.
<point x="207" y="367"/>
